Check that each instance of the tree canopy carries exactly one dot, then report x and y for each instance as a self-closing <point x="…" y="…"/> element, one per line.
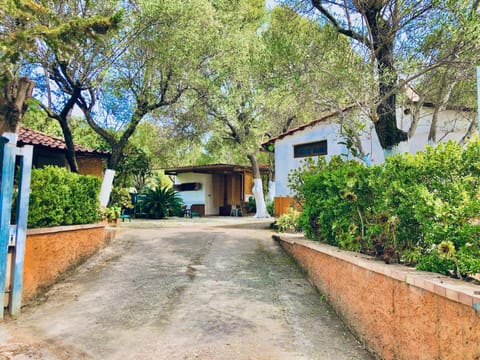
<point x="201" y="81"/>
<point x="29" y="26"/>
<point x="392" y="32"/>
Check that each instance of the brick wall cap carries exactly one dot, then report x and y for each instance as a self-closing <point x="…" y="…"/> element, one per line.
<point x="56" y="229"/>
<point x="454" y="289"/>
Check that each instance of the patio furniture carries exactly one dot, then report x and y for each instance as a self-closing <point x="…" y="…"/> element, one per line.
<point x="124" y="216"/>
<point x="186" y="211"/>
<point x="236" y="211"/>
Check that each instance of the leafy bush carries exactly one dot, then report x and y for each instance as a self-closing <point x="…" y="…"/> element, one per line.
<point x="60" y="197"/>
<point x="289" y="222"/>
<point x="160" y="202"/>
<point x="270" y="207"/>
<point x="251" y="205"/>
<point x="120" y="197"/>
<point x="110" y="213"/>
<point x="400" y="211"/>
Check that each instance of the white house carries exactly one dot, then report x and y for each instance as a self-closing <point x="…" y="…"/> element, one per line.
<point x="214" y="189"/>
<point x="324" y="137"/>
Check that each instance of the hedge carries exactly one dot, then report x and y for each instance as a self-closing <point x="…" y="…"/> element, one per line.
<point x="421" y="210"/>
<point x="60" y="197"/>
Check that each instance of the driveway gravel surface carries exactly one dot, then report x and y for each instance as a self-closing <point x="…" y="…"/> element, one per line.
<point x="207" y="288"/>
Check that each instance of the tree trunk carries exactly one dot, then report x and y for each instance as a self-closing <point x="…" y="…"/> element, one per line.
<point x="63" y="119"/>
<point x="115" y="157"/>
<point x="415" y="113"/>
<point x="271" y="177"/>
<point x="68" y="137"/>
<point x="382" y="40"/>
<point x="258" y="189"/>
<point x="473" y="127"/>
<point x="13" y="103"/>
<point x="445" y="90"/>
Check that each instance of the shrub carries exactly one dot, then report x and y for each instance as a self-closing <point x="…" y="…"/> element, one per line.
<point x="289" y="222"/>
<point x="271" y="207"/>
<point x="120" y="197"/>
<point x="110" y="213"/>
<point x="160" y="202"/>
<point x="60" y="197"/>
<point x="251" y="205"/>
<point x="400" y="211"/>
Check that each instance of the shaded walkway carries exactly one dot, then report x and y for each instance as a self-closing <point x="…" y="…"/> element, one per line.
<point x="183" y="291"/>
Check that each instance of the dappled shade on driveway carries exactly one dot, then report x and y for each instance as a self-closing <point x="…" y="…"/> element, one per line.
<point x="182" y="290"/>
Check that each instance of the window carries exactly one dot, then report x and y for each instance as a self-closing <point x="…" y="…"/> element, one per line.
<point x="188" y="187"/>
<point x="311" y="149"/>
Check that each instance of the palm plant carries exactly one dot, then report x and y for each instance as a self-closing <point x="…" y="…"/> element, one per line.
<point x="161" y="202"/>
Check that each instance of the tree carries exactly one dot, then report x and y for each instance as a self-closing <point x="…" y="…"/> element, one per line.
<point x="23" y="31"/>
<point x="232" y="95"/>
<point x="308" y="70"/>
<point x="388" y="29"/>
<point x="155" y="71"/>
<point x="268" y="77"/>
<point x="68" y="72"/>
<point x="451" y="84"/>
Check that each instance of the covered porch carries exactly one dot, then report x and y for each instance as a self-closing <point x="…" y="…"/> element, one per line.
<point x="214" y="189"/>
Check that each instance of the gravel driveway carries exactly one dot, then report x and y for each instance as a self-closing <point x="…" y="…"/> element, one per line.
<point x="180" y="289"/>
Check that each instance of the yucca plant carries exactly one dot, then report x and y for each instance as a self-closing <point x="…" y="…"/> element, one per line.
<point x="161" y="202"/>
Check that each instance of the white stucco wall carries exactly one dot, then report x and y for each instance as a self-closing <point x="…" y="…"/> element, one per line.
<point x="285" y="161"/>
<point x="202" y="196"/>
<point x="452" y="125"/>
<point x="451" y="122"/>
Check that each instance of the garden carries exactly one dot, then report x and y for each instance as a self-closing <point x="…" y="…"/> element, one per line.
<point x="420" y="210"/>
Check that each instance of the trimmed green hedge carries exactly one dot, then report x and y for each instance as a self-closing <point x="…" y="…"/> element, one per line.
<point x="60" y="197"/>
<point x="421" y="210"/>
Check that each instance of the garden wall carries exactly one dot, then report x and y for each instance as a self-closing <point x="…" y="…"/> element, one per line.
<point x="398" y="312"/>
<point x="49" y="252"/>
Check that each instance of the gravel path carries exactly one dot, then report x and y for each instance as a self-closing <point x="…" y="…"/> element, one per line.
<point x="209" y="289"/>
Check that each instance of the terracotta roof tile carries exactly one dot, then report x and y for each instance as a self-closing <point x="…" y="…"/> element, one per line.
<point x="32" y="137"/>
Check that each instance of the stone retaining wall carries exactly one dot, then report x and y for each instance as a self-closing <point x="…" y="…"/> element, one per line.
<point x="398" y="312"/>
<point x="49" y="252"/>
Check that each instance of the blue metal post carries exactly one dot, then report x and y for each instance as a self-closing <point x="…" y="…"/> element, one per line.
<point x="26" y="154"/>
<point x="6" y="191"/>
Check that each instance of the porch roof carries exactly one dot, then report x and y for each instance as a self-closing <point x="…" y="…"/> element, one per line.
<point x="213" y="169"/>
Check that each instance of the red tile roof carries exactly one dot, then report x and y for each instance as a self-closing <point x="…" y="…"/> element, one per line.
<point x="37" y="138"/>
<point x="304" y="126"/>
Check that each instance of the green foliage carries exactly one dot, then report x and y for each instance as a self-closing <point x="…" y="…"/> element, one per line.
<point x="120" y="197"/>
<point x="251" y="205"/>
<point x="160" y="202"/>
<point x="110" y="213"/>
<point x="270" y="207"/>
<point x="29" y="25"/>
<point x="289" y="222"/>
<point x="418" y="209"/>
<point x="134" y="168"/>
<point x="59" y="197"/>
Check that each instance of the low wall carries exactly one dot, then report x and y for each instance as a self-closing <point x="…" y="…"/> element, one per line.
<point x="49" y="252"/>
<point x="398" y="312"/>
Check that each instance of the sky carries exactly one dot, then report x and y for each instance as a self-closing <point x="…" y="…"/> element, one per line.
<point x="270" y="3"/>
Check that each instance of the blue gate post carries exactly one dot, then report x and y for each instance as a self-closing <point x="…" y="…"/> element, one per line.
<point x="25" y="156"/>
<point x="478" y="98"/>
<point x="8" y="147"/>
